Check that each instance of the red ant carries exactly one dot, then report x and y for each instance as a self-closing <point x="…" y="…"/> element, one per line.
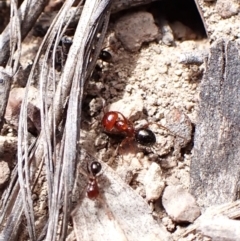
<point x="93" y="168"/>
<point x="105" y="56"/>
<point x="114" y="122"/>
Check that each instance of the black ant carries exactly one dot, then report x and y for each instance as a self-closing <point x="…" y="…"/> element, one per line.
<point x="105" y="56"/>
<point x="93" y="168"/>
<point x="61" y="52"/>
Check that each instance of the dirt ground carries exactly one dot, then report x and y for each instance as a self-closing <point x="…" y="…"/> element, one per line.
<point x="147" y="86"/>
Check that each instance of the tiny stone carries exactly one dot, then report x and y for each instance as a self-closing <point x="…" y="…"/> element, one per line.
<point x="162" y="69"/>
<point x="180" y="205"/>
<point x="153" y="182"/>
<point x="135" y="28"/>
<point x="168" y="223"/>
<point x="14" y="105"/>
<point x="177" y="85"/>
<point x="178" y="72"/>
<point x="131" y="107"/>
<point x="95" y="105"/>
<point x="157" y="49"/>
<point x="128" y="88"/>
<point x="101" y="141"/>
<point x="189" y="106"/>
<point x="168" y="162"/>
<point x="167" y="33"/>
<point x="227" y="9"/>
<point x="182" y="32"/>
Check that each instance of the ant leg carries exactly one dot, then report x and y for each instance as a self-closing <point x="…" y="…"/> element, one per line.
<point x="125" y="140"/>
<point x="110" y="161"/>
<point x="130" y="148"/>
<point x="164" y="128"/>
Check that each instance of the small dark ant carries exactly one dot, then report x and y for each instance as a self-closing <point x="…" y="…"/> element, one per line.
<point x="39" y="31"/>
<point x="105" y="56"/>
<point x="94" y="168"/>
<point x="61" y="51"/>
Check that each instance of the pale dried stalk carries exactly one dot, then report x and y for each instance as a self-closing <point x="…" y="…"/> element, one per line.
<point x="28" y="14"/>
<point x="26" y="183"/>
<point x="10" y="70"/>
<point x="230" y="210"/>
<point x="64" y="170"/>
<point x="90" y="24"/>
<point x="10" y="194"/>
<point x="15" y="37"/>
<point x="7" y="73"/>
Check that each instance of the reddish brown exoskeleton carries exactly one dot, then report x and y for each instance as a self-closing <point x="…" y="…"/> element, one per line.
<point x="94" y="168"/>
<point x="114" y="122"/>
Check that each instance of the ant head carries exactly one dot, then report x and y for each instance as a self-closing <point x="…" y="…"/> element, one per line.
<point x="94" y="168"/>
<point x="145" y="137"/>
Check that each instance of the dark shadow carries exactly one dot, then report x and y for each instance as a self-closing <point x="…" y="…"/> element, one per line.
<point x="184" y="11"/>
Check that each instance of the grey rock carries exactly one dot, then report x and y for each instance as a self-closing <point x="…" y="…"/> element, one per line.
<point x="179" y="204"/>
<point x="33" y="108"/>
<point x="227" y="9"/>
<point x="135" y="28"/>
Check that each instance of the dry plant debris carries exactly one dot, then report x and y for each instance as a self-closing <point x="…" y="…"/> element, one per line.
<point x="153" y="76"/>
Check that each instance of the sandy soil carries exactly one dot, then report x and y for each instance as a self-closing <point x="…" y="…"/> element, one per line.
<point x="157" y="83"/>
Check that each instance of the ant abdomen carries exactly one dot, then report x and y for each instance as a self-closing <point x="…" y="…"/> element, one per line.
<point x="92" y="188"/>
<point x="145" y="137"/>
<point x="105" y="56"/>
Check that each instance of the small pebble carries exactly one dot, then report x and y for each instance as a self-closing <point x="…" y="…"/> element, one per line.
<point x="180" y="205"/>
<point x="154" y="182"/>
<point x="136" y="28"/>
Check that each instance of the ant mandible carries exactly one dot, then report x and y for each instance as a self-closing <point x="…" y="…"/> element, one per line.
<point x="93" y="168"/>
